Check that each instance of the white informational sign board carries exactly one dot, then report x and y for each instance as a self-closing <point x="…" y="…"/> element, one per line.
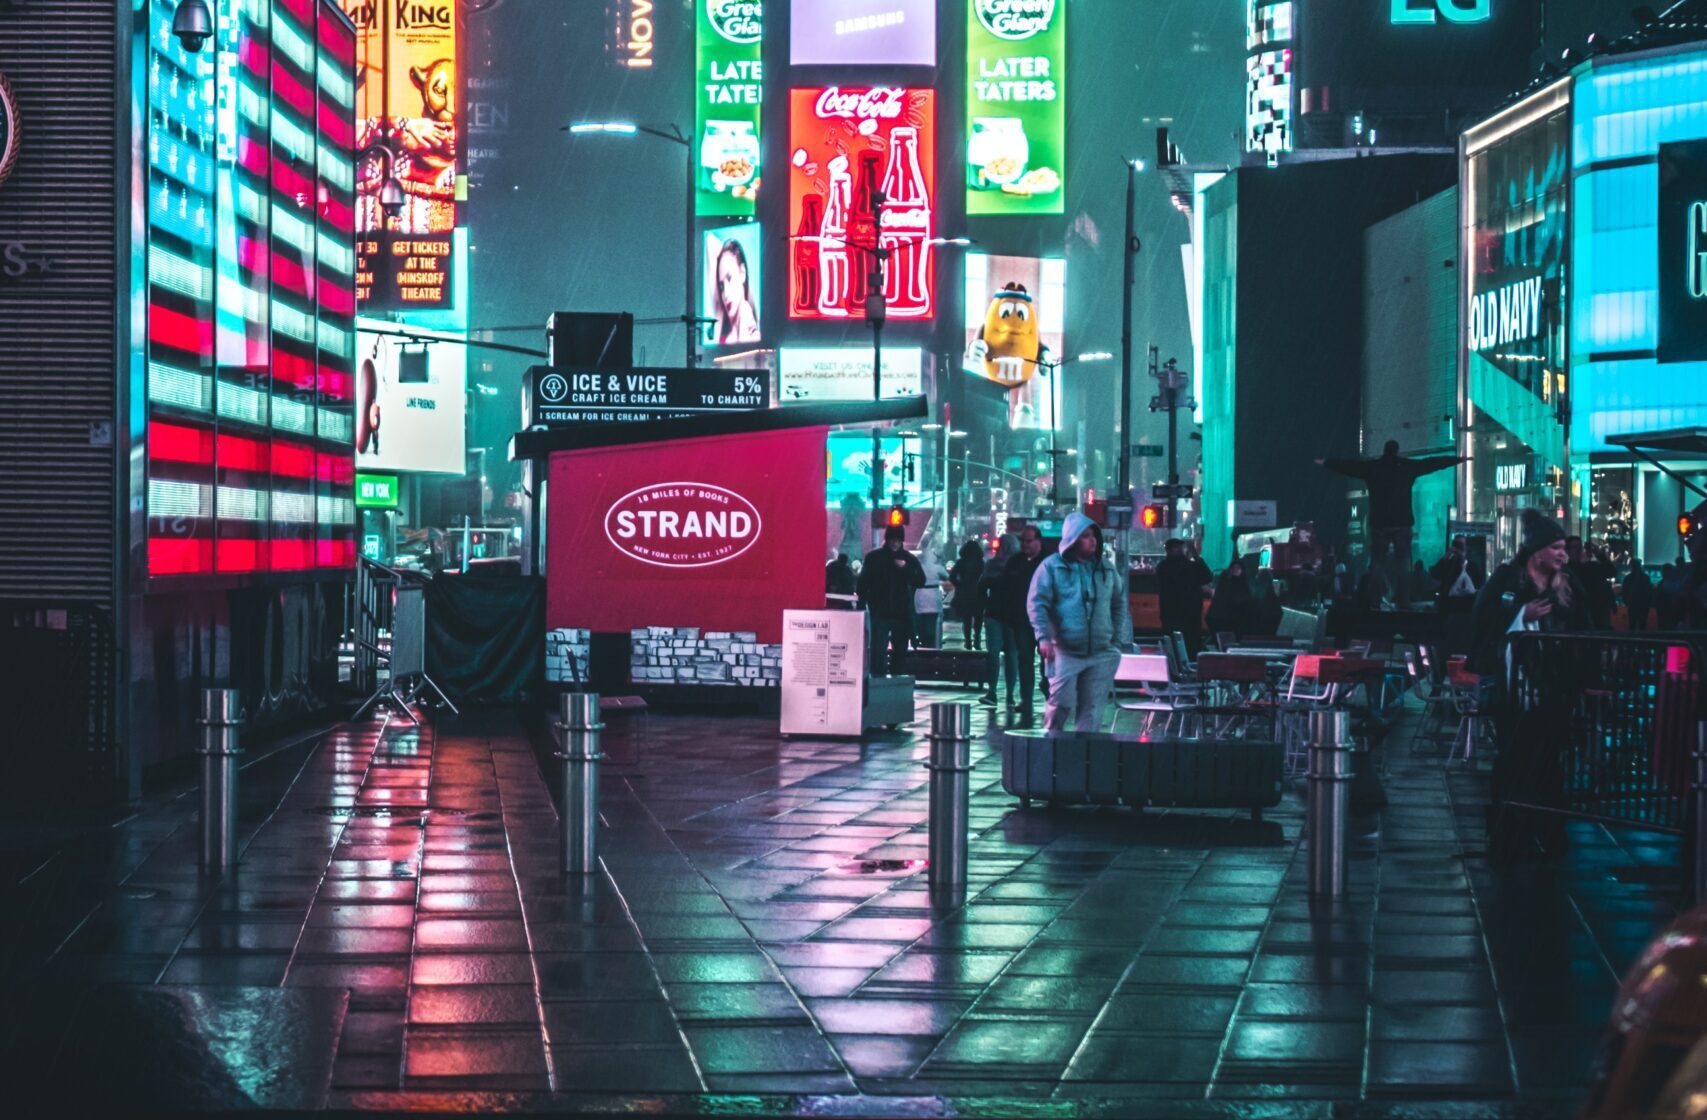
<point x="823" y="672"/>
<point x="1252" y="515"/>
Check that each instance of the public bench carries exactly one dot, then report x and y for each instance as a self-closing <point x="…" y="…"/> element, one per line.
<point x="968" y="668"/>
<point x="1076" y="768"/>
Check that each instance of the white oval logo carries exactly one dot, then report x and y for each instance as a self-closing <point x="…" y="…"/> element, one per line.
<point x="1015" y="19"/>
<point x="739" y="21"/>
<point x="682" y="524"/>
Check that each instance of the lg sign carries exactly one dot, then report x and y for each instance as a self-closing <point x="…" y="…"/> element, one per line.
<point x="682" y="524"/>
<point x="1453" y="11"/>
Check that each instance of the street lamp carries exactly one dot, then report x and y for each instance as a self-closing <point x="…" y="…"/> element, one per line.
<point x="1052" y="368"/>
<point x="690" y="321"/>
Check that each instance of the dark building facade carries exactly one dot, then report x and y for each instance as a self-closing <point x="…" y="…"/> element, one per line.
<point x="1283" y="275"/>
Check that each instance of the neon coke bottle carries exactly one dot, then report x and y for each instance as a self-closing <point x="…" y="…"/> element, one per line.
<point x="833" y="242"/>
<point x="806" y="251"/>
<point x="906" y="227"/>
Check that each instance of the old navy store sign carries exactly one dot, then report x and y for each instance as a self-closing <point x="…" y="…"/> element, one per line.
<point x="1452" y="11"/>
<point x="1505" y="315"/>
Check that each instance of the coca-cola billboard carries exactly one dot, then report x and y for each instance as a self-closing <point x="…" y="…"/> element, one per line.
<point x="682" y="524"/>
<point x="849" y="147"/>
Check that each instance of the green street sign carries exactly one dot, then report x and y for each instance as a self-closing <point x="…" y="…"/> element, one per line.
<point x="729" y="88"/>
<point x="1147" y="451"/>
<point x="1016" y="107"/>
<point x="376" y="491"/>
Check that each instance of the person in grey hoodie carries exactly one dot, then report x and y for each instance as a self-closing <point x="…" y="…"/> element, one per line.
<point x="1078" y="608"/>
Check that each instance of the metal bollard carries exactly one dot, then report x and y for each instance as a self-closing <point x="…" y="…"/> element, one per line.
<point x="1331" y="747"/>
<point x="581" y="756"/>
<point x="951" y="788"/>
<point x="222" y="713"/>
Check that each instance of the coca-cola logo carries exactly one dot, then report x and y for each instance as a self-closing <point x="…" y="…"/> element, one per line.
<point x="682" y="524"/>
<point x="861" y="104"/>
<point x="1015" y="19"/>
<point x="739" y="21"/>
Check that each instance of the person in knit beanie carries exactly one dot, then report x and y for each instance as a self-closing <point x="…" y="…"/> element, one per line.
<point x="1534" y="590"/>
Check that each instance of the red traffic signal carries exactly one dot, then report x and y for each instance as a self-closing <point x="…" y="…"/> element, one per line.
<point x="1685" y="524"/>
<point x="1153" y="517"/>
<point x="897" y="516"/>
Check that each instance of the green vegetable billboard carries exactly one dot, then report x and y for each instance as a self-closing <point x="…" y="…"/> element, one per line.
<point x="1016" y="126"/>
<point x="730" y="89"/>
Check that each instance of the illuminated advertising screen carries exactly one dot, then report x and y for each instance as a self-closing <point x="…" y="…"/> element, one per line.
<point x="1016" y="106"/>
<point x="848" y="144"/>
<point x="862" y="33"/>
<point x="835" y="373"/>
<point x="1015" y="308"/>
<point x="407" y="135"/>
<point x="847" y="466"/>
<point x="730" y="90"/>
<point x="1683" y="251"/>
<point x="250" y="285"/>
<point x="411" y="400"/>
<point x="731" y="285"/>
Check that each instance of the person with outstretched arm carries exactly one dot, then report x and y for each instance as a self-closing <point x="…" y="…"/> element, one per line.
<point x="1390" y="479"/>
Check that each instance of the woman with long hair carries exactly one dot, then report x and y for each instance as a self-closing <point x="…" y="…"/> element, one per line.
<point x="737" y="318"/>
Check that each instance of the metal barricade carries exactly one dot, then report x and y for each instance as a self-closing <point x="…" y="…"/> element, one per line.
<point x="1608" y="728"/>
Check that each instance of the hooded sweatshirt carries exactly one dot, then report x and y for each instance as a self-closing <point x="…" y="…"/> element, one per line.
<point x="1079" y="604"/>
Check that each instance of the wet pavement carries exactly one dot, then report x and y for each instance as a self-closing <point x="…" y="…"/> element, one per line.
<point x="763" y="941"/>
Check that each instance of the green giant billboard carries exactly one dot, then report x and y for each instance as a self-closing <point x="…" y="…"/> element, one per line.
<point x="1016" y="126"/>
<point x="730" y="89"/>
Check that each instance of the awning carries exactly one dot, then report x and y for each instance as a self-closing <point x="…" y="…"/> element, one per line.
<point x="540" y="443"/>
<point x="1671" y="442"/>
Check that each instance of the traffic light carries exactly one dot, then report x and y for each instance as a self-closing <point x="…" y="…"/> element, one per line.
<point x="1153" y="517"/>
<point x="1685" y="524"/>
<point x="897" y="516"/>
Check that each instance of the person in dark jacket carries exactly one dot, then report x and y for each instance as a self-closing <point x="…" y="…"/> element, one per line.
<point x="1180" y="580"/>
<point x="1005" y="606"/>
<point x="1670" y="595"/>
<point x="1001" y="649"/>
<point x="1232" y="609"/>
<point x="1391" y="521"/>
<point x="1638" y="596"/>
<point x="968" y="604"/>
<point x="839" y="576"/>
<point x="1533" y="591"/>
<point x="1595" y="575"/>
<point x="886" y="584"/>
<point x="1457" y="562"/>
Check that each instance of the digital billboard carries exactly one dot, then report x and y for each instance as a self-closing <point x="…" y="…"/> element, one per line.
<point x="1682" y="253"/>
<point x="250" y="284"/>
<point x="731" y="285"/>
<point x="1016" y="100"/>
<point x="407" y="137"/>
<point x="730" y="89"/>
<point x="847" y="466"/>
<point x="848" y="144"/>
<point x="834" y="373"/>
<point x="1015" y="309"/>
<point x="863" y="32"/>
<point x="411" y="400"/>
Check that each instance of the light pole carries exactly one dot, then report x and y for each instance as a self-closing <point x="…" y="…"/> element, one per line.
<point x="1052" y="368"/>
<point x="1131" y="246"/>
<point x="690" y="321"/>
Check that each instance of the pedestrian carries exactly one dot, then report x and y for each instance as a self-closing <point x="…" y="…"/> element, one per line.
<point x="1079" y="611"/>
<point x="839" y="576"/>
<point x="1423" y="587"/>
<point x="886" y="584"/>
<point x="1232" y="608"/>
<point x="1180" y="580"/>
<point x="968" y="604"/>
<point x="1008" y="591"/>
<point x="1000" y="650"/>
<point x="1458" y="576"/>
<point x="1595" y="575"/>
<point x="1268" y="611"/>
<point x="1391" y="521"/>
<point x="928" y="600"/>
<point x="1638" y="596"/>
<point x="1671" y="595"/>
<point x="1535" y="590"/>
